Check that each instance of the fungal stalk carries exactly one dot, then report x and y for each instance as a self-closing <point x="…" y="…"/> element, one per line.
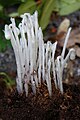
<point x="35" y="59"/>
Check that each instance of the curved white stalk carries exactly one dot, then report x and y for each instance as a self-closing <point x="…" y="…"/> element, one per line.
<point x="43" y="58"/>
<point x="40" y="54"/>
<point x="19" y="81"/>
<point x="65" y="43"/>
<point x="26" y="85"/>
<point x="49" y="78"/>
<point x="53" y="63"/>
<point x="59" y="73"/>
<point x="71" y="55"/>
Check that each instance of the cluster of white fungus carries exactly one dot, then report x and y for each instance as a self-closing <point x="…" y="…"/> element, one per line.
<point x="34" y="58"/>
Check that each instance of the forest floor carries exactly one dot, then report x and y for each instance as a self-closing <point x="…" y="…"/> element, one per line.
<point x="40" y="106"/>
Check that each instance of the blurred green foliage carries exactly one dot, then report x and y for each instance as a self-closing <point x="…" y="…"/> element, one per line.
<point x="44" y="8"/>
<point x="8" y="81"/>
<point x="14" y="8"/>
<point x="3" y="42"/>
<point x="69" y="6"/>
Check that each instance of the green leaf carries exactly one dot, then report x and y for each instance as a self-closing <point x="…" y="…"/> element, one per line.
<point x="56" y="5"/>
<point x="68" y="1"/>
<point x="1" y="8"/>
<point x="66" y="9"/>
<point x="23" y="0"/>
<point x="29" y="6"/>
<point x="14" y="14"/>
<point x="48" y="8"/>
<point x="39" y="8"/>
<point x="8" y="81"/>
<point x="3" y="42"/>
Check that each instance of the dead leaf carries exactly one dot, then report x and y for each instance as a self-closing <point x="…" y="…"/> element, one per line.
<point x="63" y="26"/>
<point x="73" y="39"/>
<point x="70" y="43"/>
<point x="77" y="49"/>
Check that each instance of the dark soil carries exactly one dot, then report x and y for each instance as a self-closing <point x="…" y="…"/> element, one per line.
<point x="41" y="106"/>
